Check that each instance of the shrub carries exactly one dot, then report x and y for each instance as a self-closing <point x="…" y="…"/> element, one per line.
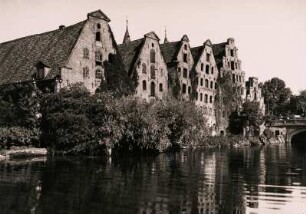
<point x="18" y="136"/>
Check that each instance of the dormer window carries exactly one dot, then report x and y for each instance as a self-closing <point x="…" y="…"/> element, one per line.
<point x="40" y="73"/>
<point x="232" y="52"/>
<point x="185" y="47"/>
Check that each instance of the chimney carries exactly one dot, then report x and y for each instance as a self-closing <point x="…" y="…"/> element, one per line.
<point x="61" y="27"/>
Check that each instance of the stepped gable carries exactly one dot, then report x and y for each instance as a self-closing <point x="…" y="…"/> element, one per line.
<point x="19" y="57"/>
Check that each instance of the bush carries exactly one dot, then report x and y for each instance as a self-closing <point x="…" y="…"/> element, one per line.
<point x="18" y="136"/>
<point x="76" y="122"/>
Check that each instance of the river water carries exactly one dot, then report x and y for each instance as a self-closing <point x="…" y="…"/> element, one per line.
<point x="243" y="180"/>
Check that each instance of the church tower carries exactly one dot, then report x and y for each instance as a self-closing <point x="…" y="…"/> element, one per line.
<point x="126" y="38"/>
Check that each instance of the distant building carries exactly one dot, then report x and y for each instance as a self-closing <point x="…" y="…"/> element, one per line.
<point x="253" y="92"/>
<point x="145" y="64"/>
<point x="227" y="60"/>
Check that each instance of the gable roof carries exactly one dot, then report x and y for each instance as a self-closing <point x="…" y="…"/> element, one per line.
<point x="219" y="52"/>
<point x="152" y="35"/>
<point x="129" y="52"/>
<point x="196" y="53"/>
<point x="99" y="14"/>
<point x="19" y="57"/>
<point x="170" y="50"/>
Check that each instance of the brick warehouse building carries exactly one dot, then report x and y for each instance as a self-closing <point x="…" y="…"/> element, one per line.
<point x="87" y="53"/>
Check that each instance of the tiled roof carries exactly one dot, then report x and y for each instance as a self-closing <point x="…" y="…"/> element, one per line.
<point x="196" y="53"/>
<point x="19" y="57"/>
<point x="129" y="52"/>
<point x="170" y="50"/>
<point x="219" y="52"/>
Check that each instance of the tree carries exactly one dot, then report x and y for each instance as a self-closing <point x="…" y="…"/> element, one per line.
<point x="276" y="95"/>
<point x="249" y="118"/>
<point x="297" y="104"/>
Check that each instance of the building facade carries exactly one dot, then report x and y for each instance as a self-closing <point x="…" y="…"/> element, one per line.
<point x="179" y="64"/>
<point x="145" y="64"/>
<point x="87" y="53"/>
<point x="205" y="84"/>
<point x="253" y="93"/>
<point x="72" y="54"/>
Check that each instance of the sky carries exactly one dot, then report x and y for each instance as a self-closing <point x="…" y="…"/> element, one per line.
<point x="270" y="34"/>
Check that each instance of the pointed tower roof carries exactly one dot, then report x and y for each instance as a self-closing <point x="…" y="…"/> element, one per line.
<point x="126" y="37"/>
<point x="166" y="40"/>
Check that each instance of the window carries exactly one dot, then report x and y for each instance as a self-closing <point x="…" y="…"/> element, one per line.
<point x="111" y="58"/>
<point x="152" y="45"/>
<point x="144" y="68"/>
<point x="206" y="83"/>
<point x="98" y="26"/>
<point x="152" y="71"/>
<point x="40" y="72"/>
<point x="85" y="72"/>
<point x="179" y="71"/>
<point x="189" y="90"/>
<point x="232" y="52"/>
<point x="202" y="66"/>
<point x="239" y="78"/>
<point x="212" y="70"/>
<point x="144" y="85"/>
<point x="98" y="36"/>
<point x="216" y="85"/>
<point x="98" y="57"/>
<point x="152" y="55"/>
<point x="207" y="69"/>
<point x="185" y="72"/>
<point x="197" y="81"/>
<point x="184" y="88"/>
<point x="206" y="98"/>
<point x="211" y="84"/>
<point x="208" y="57"/>
<point x="185" y="57"/>
<point x="185" y="46"/>
<point x="233" y="78"/>
<point x="160" y="87"/>
<point x="99" y="74"/>
<point x="201" y="97"/>
<point x="197" y="96"/>
<point x="232" y="65"/>
<point x="210" y="99"/>
<point x="152" y="89"/>
<point x="85" y="53"/>
<point x="201" y="81"/>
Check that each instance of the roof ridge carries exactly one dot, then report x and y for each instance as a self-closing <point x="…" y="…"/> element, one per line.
<point x="39" y="34"/>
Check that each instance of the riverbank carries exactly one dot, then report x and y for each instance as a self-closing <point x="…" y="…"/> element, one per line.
<point x="22" y="153"/>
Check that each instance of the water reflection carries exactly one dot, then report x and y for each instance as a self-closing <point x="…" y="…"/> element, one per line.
<point x="245" y="180"/>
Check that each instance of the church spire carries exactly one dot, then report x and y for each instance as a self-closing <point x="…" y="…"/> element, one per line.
<point x="165" y="40"/>
<point x="126" y="38"/>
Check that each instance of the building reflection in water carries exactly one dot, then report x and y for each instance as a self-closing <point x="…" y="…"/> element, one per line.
<point x="244" y="180"/>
